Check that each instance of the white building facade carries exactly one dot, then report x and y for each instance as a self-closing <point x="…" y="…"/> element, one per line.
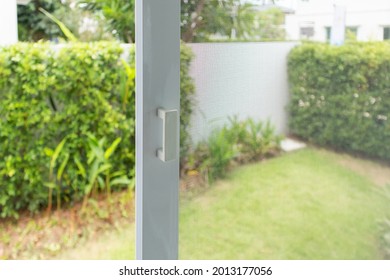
<point x="364" y="20"/>
<point x="9" y="21"/>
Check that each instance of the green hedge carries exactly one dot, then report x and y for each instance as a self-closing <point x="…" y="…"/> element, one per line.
<point x="187" y="91"/>
<point x="340" y="96"/>
<point x="67" y="123"/>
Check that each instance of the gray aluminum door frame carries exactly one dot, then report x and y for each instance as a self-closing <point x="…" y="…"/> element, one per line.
<point x="157" y="87"/>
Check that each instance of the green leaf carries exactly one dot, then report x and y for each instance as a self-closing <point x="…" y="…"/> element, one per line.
<point x="92" y="176"/>
<point x="101" y="182"/>
<point x="112" y="148"/>
<point x="80" y="167"/>
<point x="130" y="71"/>
<point x="121" y="181"/>
<point x="68" y="34"/>
<point x="96" y="150"/>
<point x="104" y="167"/>
<point x="49" y="152"/>
<point x="118" y="173"/>
<point x="92" y="139"/>
<point x="56" y="153"/>
<point x="62" y="167"/>
<point x="101" y="142"/>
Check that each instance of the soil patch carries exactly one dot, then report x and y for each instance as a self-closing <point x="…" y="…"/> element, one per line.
<point x="43" y="236"/>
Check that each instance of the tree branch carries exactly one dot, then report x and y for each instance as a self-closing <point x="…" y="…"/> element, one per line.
<point x="188" y="36"/>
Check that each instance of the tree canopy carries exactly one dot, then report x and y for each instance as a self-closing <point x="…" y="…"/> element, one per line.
<point x="118" y="14"/>
<point x="201" y="20"/>
<point x="35" y="26"/>
<point x="208" y="20"/>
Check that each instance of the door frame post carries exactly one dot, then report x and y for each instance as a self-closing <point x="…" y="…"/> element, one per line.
<point x="157" y="87"/>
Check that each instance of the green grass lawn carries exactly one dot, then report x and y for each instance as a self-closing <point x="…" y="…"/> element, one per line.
<point x="305" y="205"/>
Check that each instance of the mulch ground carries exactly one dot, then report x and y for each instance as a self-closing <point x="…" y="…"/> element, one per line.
<point x="42" y="236"/>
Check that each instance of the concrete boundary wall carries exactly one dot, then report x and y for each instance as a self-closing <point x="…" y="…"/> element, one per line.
<point x="243" y="79"/>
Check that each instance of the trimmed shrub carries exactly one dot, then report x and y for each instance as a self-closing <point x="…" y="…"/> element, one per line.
<point x="48" y="98"/>
<point x="187" y="91"/>
<point x="26" y="79"/>
<point x="340" y="96"/>
<point x="67" y="123"/>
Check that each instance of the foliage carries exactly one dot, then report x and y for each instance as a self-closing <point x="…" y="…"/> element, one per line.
<point x="118" y="14"/>
<point x="67" y="122"/>
<point x="341" y="97"/>
<point x="99" y="168"/>
<point x="204" y="18"/>
<point x="90" y="88"/>
<point x="253" y="140"/>
<point x="237" y="142"/>
<point x="25" y="80"/>
<point x="85" y="25"/>
<point x="208" y="20"/>
<point x="213" y="157"/>
<point x="33" y="25"/>
<point x="68" y="34"/>
<point x="271" y="25"/>
<point x="350" y="35"/>
<point x="49" y="96"/>
<point x="55" y="181"/>
<point x="187" y="102"/>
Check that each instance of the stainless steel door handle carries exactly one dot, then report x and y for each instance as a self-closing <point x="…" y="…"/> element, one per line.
<point x="170" y="139"/>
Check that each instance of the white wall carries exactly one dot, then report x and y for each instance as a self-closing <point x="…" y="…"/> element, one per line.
<point x="8" y="22"/>
<point x="244" y="79"/>
<point x="369" y="16"/>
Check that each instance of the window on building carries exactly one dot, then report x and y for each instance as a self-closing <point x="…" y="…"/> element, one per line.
<point x="351" y="32"/>
<point x="352" y="29"/>
<point x="386" y="33"/>
<point x="328" y="31"/>
<point x="306" y="32"/>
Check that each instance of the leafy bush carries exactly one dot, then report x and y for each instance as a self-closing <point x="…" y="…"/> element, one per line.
<point x="216" y="155"/>
<point x="49" y="96"/>
<point x="253" y="140"/>
<point x="67" y="123"/>
<point x="237" y="142"/>
<point x="26" y="78"/>
<point x="187" y="91"/>
<point x="341" y="96"/>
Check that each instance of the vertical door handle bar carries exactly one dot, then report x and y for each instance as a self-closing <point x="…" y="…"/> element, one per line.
<point x="170" y="139"/>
